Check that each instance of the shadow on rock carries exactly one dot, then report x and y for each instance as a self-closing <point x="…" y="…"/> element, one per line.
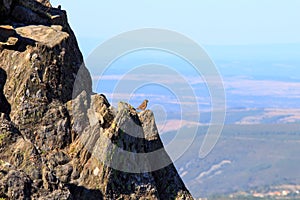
<point x="5" y="107"/>
<point x="82" y="193"/>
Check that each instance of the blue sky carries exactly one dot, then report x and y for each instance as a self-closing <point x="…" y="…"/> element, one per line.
<point x="255" y="44"/>
<point x="213" y="22"/>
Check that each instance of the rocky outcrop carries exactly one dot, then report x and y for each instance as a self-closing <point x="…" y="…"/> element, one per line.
<point x="55" y="147"/>
<point x="102" y="151"/>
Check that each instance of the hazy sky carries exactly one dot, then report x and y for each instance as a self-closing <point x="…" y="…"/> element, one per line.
<point x="270" y="27"/>
<point x="207" y="22"/>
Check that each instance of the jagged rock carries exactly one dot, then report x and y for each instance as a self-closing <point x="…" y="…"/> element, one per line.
<point x="26" y="15"/>
<point x="60" y="143"/>
<point x="78" y="108"/>
<point x="11" y="41"/>
<point x="44" y="2"/>
<point x="5" y="7"/>
<point x="7" y="35"/>
<point x="48" y="36"/>
<point x="15" y="185"/>
<point x="54" y="131"/>
<point x="58" y="195"/>
<point x="167" y="177"/>
<point x="42" y="66"/>
<point x="102" y="153"/>
<point x="99" y="111"/>
<point x="9" y="135"/>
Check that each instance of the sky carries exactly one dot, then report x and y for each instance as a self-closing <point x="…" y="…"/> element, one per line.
<point x="255" y="44"/>
<point x="213" y="22"/>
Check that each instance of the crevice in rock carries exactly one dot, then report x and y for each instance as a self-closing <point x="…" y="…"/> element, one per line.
<point x="5" y="107"/>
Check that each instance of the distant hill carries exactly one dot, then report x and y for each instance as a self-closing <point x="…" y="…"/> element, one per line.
<point x="246" y="157"/>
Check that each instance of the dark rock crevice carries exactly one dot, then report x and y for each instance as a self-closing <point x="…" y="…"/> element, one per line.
<point x="5" y="107"/>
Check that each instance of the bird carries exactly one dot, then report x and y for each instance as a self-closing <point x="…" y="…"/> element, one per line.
<point x="143" y="106"/>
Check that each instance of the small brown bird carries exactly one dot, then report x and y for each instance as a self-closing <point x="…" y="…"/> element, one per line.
<point x="143" y="106"/>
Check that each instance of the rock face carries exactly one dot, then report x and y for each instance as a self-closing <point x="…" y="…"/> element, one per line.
<point x="54" y="146"/>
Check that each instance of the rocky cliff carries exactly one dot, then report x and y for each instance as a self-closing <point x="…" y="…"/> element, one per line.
<point x="53" y="146"/>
